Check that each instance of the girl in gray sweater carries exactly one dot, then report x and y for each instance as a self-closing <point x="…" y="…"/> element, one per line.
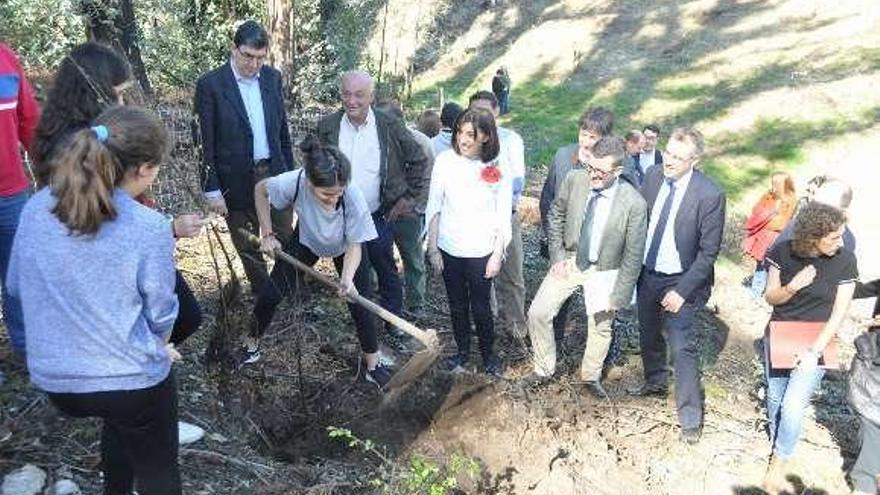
<point x="94" y="270"/>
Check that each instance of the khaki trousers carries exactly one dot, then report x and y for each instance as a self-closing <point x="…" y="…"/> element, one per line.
<point x="552" y="293"/>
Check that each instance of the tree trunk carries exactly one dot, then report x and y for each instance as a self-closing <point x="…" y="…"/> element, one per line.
<point x="278" y="17"/>
<point x="115" y="25"/>
<point x="130" y="35"/>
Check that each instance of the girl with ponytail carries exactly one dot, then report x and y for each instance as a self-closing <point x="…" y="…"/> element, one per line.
<point x="94" y="270"/>
<point x="333" y="221"/>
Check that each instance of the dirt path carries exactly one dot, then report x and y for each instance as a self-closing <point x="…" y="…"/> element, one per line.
<point x="267" y="424"/>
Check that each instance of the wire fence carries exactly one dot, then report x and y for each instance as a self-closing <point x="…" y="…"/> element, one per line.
<point x="178" y="188"/>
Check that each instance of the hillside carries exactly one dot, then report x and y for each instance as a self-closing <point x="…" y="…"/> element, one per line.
<point x="772" y="84"/>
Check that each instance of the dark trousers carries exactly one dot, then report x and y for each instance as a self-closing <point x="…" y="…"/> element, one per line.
<point x="286" y="280"/>
<point x="379" y="255"/>
<point x="867" y="467"/>
<point x="251" y="258"/>
<point x="189" y="314"/>
<point x="468" y="291"/>
<point x="138" y="437"/>
<point x="680" y="331"/>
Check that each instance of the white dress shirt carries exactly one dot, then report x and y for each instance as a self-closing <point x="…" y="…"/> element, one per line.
<point x="361" y="146"/>
<point x="600" y="218"/>
<point x="646" y="159"/>
<point x="668" y="259"/>
<point x="472" y="213"/>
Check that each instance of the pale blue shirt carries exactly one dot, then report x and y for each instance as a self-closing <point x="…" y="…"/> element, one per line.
<point x="668" y="259"/>
<point x="249" y="88"/>
<point x="514" y="155"/>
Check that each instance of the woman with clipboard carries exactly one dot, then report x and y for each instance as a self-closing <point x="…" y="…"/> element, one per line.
<point x="810" y="285"/>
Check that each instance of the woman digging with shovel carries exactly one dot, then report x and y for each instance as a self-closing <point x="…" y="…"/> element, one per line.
<point x="332" y="221"/>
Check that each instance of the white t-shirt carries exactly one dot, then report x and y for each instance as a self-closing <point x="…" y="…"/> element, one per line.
<point x="472" y="212"/>
<point x="323" y="231"/>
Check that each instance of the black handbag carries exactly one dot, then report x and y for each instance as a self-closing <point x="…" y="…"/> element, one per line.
<point x="864" y="379"/>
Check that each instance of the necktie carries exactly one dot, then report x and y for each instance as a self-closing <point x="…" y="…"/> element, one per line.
<point x="583" y="253"/>
<point x="654" y="248"/>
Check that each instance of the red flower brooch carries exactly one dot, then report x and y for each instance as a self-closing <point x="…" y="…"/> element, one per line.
<point x="490" y="174"/>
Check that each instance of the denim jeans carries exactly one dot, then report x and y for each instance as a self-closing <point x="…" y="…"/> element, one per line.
<point x="759" y="282"/>
<point x="378" y="255"/>
<point x="10" y="210"/>
<point x="788" y="395"/>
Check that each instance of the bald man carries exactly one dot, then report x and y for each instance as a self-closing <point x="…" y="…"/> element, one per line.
<point x="387" y="165"/>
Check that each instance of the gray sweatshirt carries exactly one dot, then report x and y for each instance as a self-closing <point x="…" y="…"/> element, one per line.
<point x="96" y="308"/>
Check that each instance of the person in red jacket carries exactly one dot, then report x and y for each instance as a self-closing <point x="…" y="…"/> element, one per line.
<point x="19" y="114"/>
<point x="769" y="216"/>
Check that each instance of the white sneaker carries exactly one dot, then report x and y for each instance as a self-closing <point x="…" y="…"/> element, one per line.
<point x="188" y="433"/>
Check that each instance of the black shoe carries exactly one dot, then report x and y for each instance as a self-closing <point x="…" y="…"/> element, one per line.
<point x="649" y="390"/>
<point x="596" y="389"/>
<point x="456" y="364"/>
<point x="378" y="376"/>
<point x="691" y="436"/>
<point x="493" y="366"/>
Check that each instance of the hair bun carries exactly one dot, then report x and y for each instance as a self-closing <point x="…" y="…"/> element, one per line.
<point x="310" y="144"/>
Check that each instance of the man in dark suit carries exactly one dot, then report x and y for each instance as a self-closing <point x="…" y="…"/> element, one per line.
<point x="245" y="138"/>
<point x="649" y="155"/>
<point x="387" y="165"/>
<point x="686" y="218"/>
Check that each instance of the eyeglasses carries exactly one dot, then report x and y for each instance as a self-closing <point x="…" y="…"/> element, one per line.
<point x="603" y="173"/>
<point x="250" y="57"/>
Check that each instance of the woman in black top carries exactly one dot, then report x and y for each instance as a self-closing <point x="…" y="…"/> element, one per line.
<point x="810" y="279"/>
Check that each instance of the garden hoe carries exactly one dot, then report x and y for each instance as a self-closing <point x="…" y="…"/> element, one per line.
<point x="416" y="366"/>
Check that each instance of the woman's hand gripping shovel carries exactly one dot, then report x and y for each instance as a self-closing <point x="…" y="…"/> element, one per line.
<point x="412" y="369"/>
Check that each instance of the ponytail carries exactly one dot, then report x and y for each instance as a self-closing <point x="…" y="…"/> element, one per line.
<point x="85" y="174"/>
<point x="325" y="166"/>
<point x="82" y="181"/>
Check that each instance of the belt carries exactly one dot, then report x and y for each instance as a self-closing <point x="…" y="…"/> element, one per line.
<point x="661" y="274"/>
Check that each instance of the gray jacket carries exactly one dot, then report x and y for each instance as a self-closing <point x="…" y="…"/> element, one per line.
<point x="623" y="240"/>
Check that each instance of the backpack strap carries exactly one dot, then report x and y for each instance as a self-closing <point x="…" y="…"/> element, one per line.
<point x="296" y="189"/>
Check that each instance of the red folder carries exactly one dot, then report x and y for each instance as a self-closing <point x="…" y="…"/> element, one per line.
<point x="790" y="338"/>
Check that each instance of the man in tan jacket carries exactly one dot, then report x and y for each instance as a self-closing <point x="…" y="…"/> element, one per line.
<point x="596" y="235"/>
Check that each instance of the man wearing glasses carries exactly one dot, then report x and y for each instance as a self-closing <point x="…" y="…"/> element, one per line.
<point x="649" y="154"/>
<point x="596" y="235"/>
<point x="245" y="138"/>
<point x="684" y="237"/>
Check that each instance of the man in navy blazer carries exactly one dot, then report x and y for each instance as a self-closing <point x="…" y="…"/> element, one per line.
<point x="245" y="138"/>
<point x="686" y="219"/>
<point x="649" y="154"/>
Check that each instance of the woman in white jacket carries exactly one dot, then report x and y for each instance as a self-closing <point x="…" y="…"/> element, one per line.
<point x="468" y="213"/>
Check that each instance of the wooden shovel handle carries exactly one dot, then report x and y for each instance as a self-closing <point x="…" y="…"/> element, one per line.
<point x="426" y="338"/>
